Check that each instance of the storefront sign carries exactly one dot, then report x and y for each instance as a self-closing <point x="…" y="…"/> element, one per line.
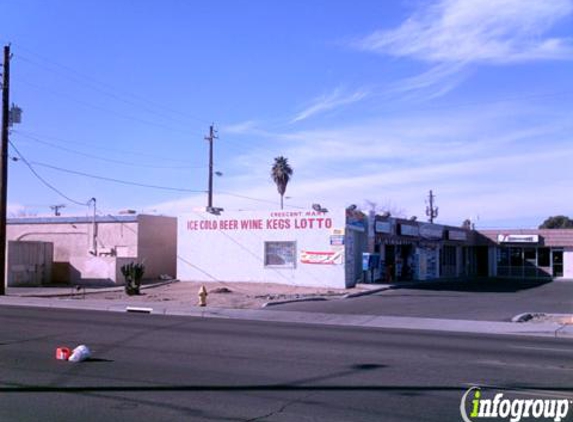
<point x="278" y="221"/>
<point x="321" y="258"/>
<point x="383" y="227"/>
<point x="337" y="240"/>
<point x="518" y="238"/>
<point x="406" y="230"/>
<point x="431" y="232"/>
<point x="457" y="235"/>
<point x="355" y="220"/>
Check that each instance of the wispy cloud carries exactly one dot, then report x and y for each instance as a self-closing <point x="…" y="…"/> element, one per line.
<point x="485" y="163"/>
<point x="452" y="35"/>
<point x="336" y="99"/>
<point x="240" y="128"/>
<point x="469" y="31"/>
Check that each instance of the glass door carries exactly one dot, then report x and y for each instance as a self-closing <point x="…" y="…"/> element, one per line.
<point x="557" y="262"/>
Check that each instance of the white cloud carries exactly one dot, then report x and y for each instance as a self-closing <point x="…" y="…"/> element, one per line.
<point x="490" y="163"/>
<point x="466" y="31"/>
<point x="329" y="102"/>
<point x="452" y="35"/>
<point x="240" y="128"/>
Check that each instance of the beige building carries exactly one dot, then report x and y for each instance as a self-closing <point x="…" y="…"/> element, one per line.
<point x="81" y="250"/>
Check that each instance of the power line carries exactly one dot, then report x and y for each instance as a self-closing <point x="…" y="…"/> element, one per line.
<point x="94" y="146"/>
<point x="46" y="183"/>
<point x="60" y="94"/>
<point x="110" y="160"/>
<point x="126" y="182"/>
<point x="108" y="90"/>
<point x="260" y="200"/>
<point x="110" y="179"/>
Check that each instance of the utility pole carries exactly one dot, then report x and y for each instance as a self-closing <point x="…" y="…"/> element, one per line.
<point x="431" y="212"/>
<point x="210" y="138"/>
<point x="4" y="166"/>
<point x="56" y="209"/>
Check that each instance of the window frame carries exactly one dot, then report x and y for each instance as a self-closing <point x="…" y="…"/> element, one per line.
<point x="283" y="243"/>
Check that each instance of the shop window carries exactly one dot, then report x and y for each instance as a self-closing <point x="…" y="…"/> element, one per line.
<point x="280" y="254"/>
<point x="529" y="255"/>
<point x="503" y="257"/>
<point x="543" y="259"/>
<point x="516" y="257"/>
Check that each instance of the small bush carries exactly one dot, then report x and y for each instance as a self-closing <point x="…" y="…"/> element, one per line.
<point x="133" y="273"/>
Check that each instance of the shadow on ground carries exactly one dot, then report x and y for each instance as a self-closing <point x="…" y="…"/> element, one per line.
<point x="478" y="286"/>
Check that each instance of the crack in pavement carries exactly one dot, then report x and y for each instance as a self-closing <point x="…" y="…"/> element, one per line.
<point x="281" y="409"/>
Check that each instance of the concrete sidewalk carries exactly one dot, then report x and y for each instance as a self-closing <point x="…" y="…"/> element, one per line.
<point x="237" y="295"/>
<point x="541" y="329"/>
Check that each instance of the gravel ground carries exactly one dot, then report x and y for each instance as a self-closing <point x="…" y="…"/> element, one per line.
<point x="225" y="295"/>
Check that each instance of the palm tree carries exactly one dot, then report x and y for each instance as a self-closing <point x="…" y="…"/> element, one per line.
<point x="281" y="173"/>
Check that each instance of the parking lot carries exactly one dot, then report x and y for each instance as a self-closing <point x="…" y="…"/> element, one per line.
<point x="491" y="300"/>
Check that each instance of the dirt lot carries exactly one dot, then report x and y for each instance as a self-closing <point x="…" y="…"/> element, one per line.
<point x="224" y="295"/>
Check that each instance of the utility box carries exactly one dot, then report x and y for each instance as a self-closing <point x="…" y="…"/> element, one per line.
<point x="29" y="263"/>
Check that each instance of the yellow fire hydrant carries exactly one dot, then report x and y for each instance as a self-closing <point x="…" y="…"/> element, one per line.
<point x="203" y="296"/>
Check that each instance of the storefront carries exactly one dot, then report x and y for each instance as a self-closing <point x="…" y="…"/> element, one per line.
<point x="310" y="248"/>
<point x="412" y="250"/>
<point x="531" y="254"/>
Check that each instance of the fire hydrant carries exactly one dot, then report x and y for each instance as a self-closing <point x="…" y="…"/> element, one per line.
<point x="203" y="296"/>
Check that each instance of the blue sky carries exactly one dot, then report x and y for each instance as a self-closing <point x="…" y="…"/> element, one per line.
<point x="370" y="101"/>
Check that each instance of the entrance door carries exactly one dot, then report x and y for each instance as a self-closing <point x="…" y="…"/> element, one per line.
<point x="557" y="262"/>
<point x="390" y="263"/>
<point x="482" y="261"/>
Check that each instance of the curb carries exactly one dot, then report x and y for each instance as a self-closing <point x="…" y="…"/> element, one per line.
<point x="303" y="299"/>
<point x="83" y="291"/>
<point x="468" y="327"/>
<point x="395" y="286"/>
<point x="367" y="292"/>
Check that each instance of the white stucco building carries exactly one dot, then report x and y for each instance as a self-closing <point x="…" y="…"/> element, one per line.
<point x="80" y="250"/>
<point x="306" y="248"/>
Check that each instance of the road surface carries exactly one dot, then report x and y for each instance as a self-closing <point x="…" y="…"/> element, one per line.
<point x="159" y="368"/>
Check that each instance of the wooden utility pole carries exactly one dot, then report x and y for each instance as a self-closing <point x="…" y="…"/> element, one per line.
<point x="210" y="191"/>
<point x="4" y="166"/>
<point x="431" y="212"/>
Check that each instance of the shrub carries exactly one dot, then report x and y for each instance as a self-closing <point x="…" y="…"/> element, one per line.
<point x="133" y="273"/>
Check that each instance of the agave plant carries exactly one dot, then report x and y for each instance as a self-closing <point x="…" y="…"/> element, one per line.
<point x="133" y="273"/>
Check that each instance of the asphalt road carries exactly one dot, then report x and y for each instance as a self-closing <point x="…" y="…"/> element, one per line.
<point x="158" y="368"/>
<point x="496" y="300"/>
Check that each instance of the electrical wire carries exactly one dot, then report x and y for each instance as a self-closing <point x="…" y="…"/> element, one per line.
<point x="131" y="183"/>
<point x="60" y="94"/>
<point x="93" y="146"/>
<point x="96" y="157"/>
<point x="108" y="90"/>
<point x="110" y="179"/>
<point x="266" y="201"/>
<point x="46" y="183"/>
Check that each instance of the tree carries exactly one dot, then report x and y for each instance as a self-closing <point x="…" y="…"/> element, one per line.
<point x="281" y="172"/>
<point x="557" y="222"/>
<point x="388" y="207"/>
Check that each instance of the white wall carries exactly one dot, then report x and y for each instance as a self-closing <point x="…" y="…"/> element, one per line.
<point x="568" y="263"/>
<point x="230" y="247"/>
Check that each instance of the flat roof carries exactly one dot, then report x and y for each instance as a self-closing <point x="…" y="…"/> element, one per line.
<point x="74" y="220"/>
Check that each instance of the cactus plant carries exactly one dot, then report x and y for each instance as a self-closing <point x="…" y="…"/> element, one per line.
<point x="133" y="273"/>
